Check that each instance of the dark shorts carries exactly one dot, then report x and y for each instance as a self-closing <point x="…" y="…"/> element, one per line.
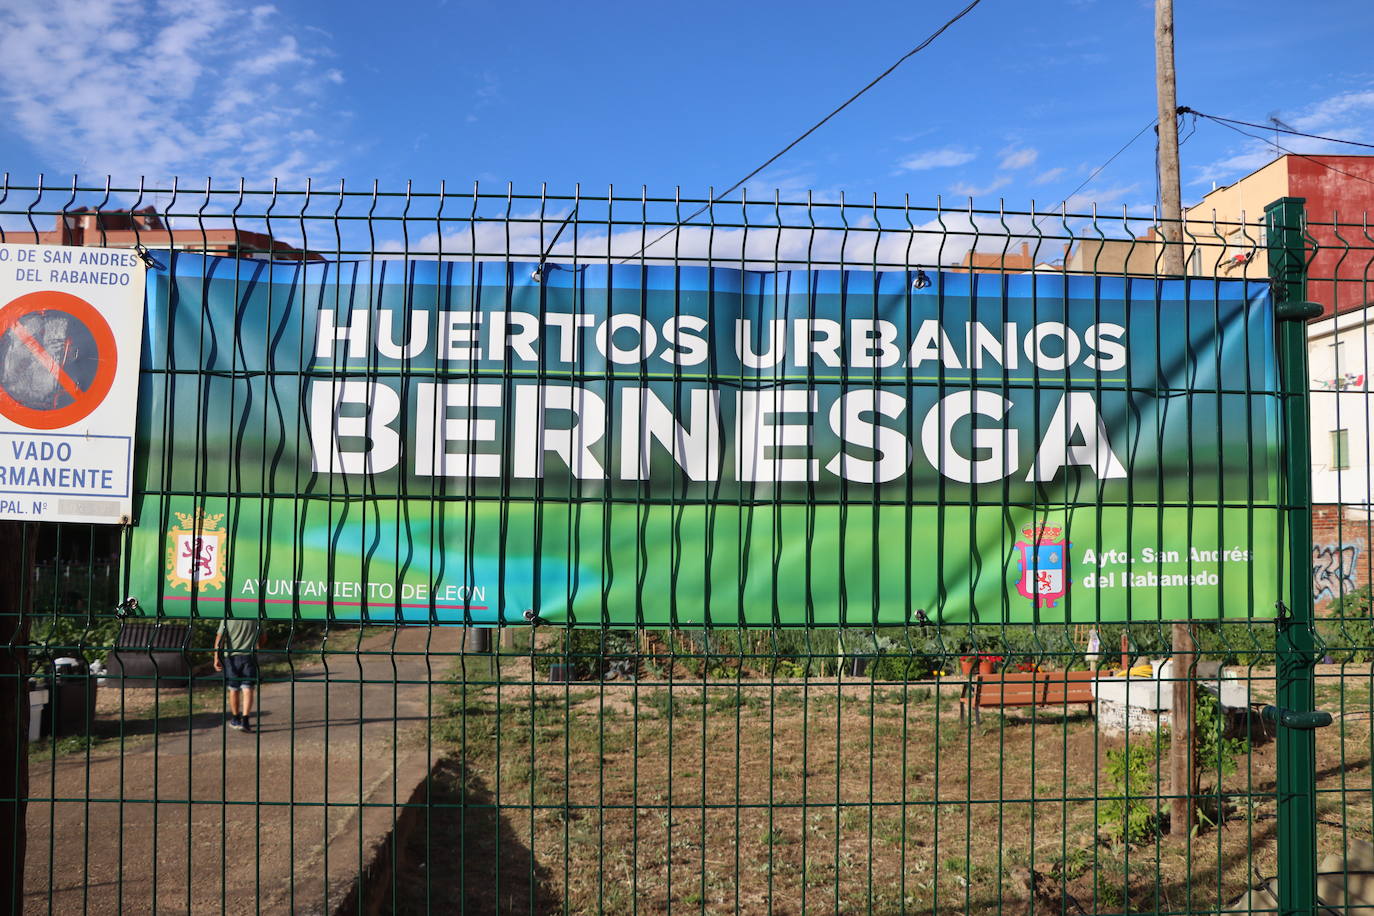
<point x="240" y="671"/>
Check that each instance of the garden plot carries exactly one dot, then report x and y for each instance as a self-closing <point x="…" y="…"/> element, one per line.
<point x="730" y="794"/>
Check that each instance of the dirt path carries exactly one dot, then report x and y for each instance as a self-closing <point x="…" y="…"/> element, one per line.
<point x="203" y="819"/>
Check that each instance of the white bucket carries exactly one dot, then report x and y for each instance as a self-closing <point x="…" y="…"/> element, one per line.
<point x="37" y="700"/>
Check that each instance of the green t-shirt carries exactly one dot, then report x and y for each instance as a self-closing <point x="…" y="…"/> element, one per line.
<point x="240" y="636"/>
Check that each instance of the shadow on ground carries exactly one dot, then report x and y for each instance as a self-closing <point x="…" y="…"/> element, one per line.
<point x="461" y="855"/>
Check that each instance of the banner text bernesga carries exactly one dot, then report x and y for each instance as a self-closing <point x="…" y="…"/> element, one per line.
<point x="492" y="394"/>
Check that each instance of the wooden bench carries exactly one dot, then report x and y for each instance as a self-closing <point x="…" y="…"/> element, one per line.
<point x="1027" y="688"/>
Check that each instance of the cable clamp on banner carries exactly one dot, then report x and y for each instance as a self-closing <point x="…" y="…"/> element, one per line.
<point x="149" y="261"/>
<point x="538" y="274"/>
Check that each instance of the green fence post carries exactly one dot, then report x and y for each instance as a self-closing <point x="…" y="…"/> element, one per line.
<point x="1296" y="748"/>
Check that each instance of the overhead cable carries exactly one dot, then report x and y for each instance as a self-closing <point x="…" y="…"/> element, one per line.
<point x="1097" y="171"/>
<point x="1267" y="142"/>
<point x="1275" y="128"/>
<point x="812" y="129"/>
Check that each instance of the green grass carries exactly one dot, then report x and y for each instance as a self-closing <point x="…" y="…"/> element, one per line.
<point x="667" y="702"/>
<point x="773" y="837"/>
<point x="730" y="699"/>
<point x="71" y="744"/>
<point x="824" y="741"/>
<point x="853" y="817"/>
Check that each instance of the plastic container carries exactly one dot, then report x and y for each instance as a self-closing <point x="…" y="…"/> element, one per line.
<point x="71" y="704"/>
<point x="38" y="704"/>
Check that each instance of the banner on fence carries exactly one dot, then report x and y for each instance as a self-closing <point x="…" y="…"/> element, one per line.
<point x="475" y="442"/>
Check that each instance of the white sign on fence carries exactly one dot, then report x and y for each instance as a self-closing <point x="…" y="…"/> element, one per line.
<point x="71" y="328"/>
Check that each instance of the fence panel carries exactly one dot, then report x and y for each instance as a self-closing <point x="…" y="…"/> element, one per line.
<point x="1338" y="255"/>
<point x="630" y="554"/>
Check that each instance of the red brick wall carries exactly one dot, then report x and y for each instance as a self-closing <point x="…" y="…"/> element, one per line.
<point x="1340" y="556"/>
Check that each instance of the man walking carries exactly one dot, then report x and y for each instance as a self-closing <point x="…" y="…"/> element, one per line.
<point x="236" y="645"/>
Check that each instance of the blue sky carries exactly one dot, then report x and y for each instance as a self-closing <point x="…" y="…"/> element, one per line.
<point x="1017" y="101"/>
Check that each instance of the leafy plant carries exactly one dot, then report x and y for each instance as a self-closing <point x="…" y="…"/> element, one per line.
<point x="1073" y="865"/>
<point x="1233" y="644"/>
<point x="1349" y="631"/>
<point x="591" y="653"/>
<point x="904" y="667"/>
<point x="865" y="643"/>
<point x="1356" y="603"/>
<point x="88" y="636"/>
<point x="1216" y="753"/>
<point x="1125" y="814"/>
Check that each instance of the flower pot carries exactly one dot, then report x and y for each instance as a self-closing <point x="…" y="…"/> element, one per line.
<point x="966" y="664"/>
<point x="987" y="666"/>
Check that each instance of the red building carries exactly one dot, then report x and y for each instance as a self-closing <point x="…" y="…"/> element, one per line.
<point x="125" y="229"/>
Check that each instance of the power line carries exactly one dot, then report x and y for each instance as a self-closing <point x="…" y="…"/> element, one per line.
<point x="1098" y="171"/>
<point x="1275" y="128"/>
<point x="780" y="153"/>
<point x="1267" y="142"/>
<point x="1110" y="159"/>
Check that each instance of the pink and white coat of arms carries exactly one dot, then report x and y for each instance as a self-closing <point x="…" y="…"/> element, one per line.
<point x="1044" y="565"/>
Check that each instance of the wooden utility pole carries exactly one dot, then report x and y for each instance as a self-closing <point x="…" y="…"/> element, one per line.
<point x="1182" y="771"/>
<point x="1170" y="195"/>
<point x="1183" y="774"/>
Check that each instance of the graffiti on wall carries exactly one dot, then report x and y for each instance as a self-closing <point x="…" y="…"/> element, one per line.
<point x="1333" y="570"/>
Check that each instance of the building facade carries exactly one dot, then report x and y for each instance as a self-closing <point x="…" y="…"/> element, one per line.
<point x="1340" y="348"/>
<point x="128" y="228"/>
<point x="1226" y="228"/>
<point x="1226" y="235"/>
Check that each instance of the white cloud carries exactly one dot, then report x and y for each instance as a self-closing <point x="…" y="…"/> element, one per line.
<point x="121" y="40"/>
<point x="964" y="189"/>
<point x="1100" y="196"/>
<point x="1049" y="175"/>
<point x="1333" y="115"/>
<point x="487" y="94"/>
<point x="284" y="54"/>
<point x="1251" y="155"/>
<point x="864" y="244"/>
<point x="1019" y="158"/>
<point x="1346" y="115"/>
<point x="791" y="182"/>
<point x="157" y="88"/>
<point x="936" y="159"/>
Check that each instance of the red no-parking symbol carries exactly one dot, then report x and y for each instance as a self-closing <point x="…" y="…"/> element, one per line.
<point x="57" y="359"/>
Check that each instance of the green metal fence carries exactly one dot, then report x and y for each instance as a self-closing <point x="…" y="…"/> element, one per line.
<point x="446" y="764"/>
